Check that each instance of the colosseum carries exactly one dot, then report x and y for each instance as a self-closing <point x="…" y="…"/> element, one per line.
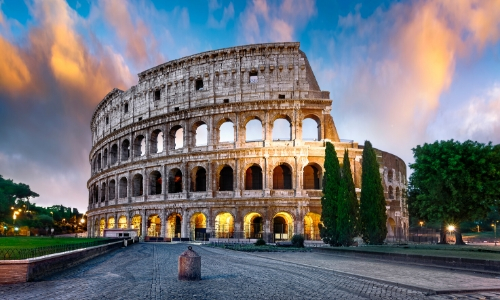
<point x="224" y="144"/>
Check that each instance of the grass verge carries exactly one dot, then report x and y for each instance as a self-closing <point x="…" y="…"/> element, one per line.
<point x="253" y="248"/>
<point x="36" y="242"/>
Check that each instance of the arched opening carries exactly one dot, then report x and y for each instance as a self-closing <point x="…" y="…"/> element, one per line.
<point x="226" y="179"/>
<point x="102" y="225"/>
<point x="199" y="227"/>
<point x="282" y="130"/>
<point x="122" y="222"/>
<point x="398" y="194"/>
<point x="105" y="158"/>
<point x="113" y="154"/>
<point x="174" y="226"/>
<point x="154" y="226"/>
<point x="282" y="178"/>
<point x="391" y="192"/>
<point x="137" y="187"/>
<point x="136" y="223"/>
<point x="224" y="225"/>
<point x="175" y="181"/>
<point x="156" y="145"/>
<point x="311" y="130"/>
<point x="139" y="146"/>
<point x="254" y="131"/>
<point x="253" y="226"/>
<point x="311" y="226"/>
<point x="199" y="180"/>
<point x="311" y="177"/>
<point x="99" y="162"/>
<point x="112" y="186"/>
<point x="125" y="150"/>
<point x="226" y="132"/>
<point x="201" y="138"/>
<point x="96" y="193"/>
<point x="103" y="192"/>
<point x="390" y="176"/>
<point x="96" y="228"/>
<point x="155" y="181"/>
<point x="122" y="188"/>
<point x="176" y="137"/>
<point x="253" y="178"/>
<point x="111" y="222"/>
<point x="282" y="226"/>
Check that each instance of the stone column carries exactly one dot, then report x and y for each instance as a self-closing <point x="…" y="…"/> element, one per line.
<point x="148" y="143"/>
<point x="116" y="220"/>
<point x="164" y="182"/>
<point x="266" y="186"/>
<point x="144" y="218"/>
<point x="164" y="224"/>
<point x="129" y="187"/>
<point x="209" y="179"/>
<point x="145" y="185"/>
<point x="184" y="225"/>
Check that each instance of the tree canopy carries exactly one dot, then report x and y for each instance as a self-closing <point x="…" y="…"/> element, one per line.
<point x="454" y="182"/>
<point x="329" y="200"/>
<point x="11" y="192"/>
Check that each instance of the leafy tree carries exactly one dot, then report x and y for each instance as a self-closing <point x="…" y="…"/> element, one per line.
<point x="372" y="203"/>
<point x="348" y="208"/>
<point x="9" y="193"/>
<point x="454" y="182"/>
<point x="331" y="185"/>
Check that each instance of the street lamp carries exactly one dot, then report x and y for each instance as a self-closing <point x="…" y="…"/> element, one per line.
<point x="52" y="213"/>
<point x="14" y="216"/>
<point x="495" y="230"/>
<point x="16" y="229"/>
<point x="451" y="228"/>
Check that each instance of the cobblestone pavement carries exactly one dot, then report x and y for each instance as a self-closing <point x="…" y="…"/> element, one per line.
<point x="149" y="271"/>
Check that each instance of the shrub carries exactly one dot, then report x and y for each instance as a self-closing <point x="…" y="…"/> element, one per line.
<point x="298" y="240"/>
<point x="260" y="242"/>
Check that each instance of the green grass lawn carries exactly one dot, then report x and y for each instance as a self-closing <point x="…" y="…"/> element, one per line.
<point x="481" y="235"/>
<point x="36" y="242"/>
<point x="465" y="251"/>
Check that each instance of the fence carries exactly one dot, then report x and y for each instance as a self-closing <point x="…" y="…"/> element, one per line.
<point x="24" y="253"/>
<point x="424" y="235"/>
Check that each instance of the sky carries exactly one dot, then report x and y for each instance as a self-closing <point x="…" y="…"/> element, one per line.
<point x="400" y="73"/>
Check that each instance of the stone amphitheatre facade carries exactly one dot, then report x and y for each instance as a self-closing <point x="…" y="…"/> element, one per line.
<point x="225" y="144"/>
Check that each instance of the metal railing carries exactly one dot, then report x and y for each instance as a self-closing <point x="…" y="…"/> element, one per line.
<point x="24" y="253"/>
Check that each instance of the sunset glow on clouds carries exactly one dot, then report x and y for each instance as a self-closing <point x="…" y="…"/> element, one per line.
<point x="400" y="74"/>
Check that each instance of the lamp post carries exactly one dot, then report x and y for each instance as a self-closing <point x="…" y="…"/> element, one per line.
<point x="451" y="228"/>
<point x="52" y="213"/>
<point x="16" y="229"/>
<point x="495" y="230"/>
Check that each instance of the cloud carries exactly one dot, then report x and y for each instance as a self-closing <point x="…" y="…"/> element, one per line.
<point x="14" y="73"/>
<point x="476" y="119"/>
<point x="228" y="14"/>
<point x="405" y="60"/>
<point x="141" y="46"/>
<point x="264" y="22"/>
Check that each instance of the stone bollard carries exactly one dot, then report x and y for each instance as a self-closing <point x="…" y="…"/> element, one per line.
<point x="124" y="243"/>
<point x="189" y="265"/>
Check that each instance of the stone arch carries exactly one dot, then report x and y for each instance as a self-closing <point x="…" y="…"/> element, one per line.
<point x="311" y="226"/>
<point x="102" y="225"/>
<point x="137" y="185"/>
<point x="226" y="176"/>
<point x="391" y="192"/>
<point x="224" y="225"/>
<point x="155" y="183"/>
<point x="282" y="226"/>
<point x="282" y="177"/>
<point x="99" y="162"/>
<point x="113" y="154"/>
<point x="200" y="134"/>
<point x="122" y="222"/>
<point x="198" y="179"/>
<point x="176" y="137"/>
<point x="312" y="177"/>
<point x="281" y="128"/>
<point x="153" y="225"/>
<point x="103" y="192"/>
<point x="254" y="129"/>
<point x="156" y="142"/>
<point x="390" y="175"/>
<point x="105" y="158"/>
<point x="311" y="128"/>
<point x="111" y="222"/>
<point x="174" y="225"/>
<point x="391" y="227"/>
<point x="111" y="189"/>
<point x="175" y="181"/>
<point x="253" y="226"/>
<point x="136" y="223"/>
<point x="122" y="188"/>
<point x="96" y="227"/>
<point x="139" y="148"/>
<point x="198" y="226"/>
<point x="225" y="131"/>
<point x="254" y="177"/>
<point x="96" y="193"/>
<point x="125" y="150"/>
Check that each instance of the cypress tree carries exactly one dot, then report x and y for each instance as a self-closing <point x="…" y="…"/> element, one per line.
<point x="348" y="208"/>
<point x="331" y="182"/>
<point x="372" y="203"/>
